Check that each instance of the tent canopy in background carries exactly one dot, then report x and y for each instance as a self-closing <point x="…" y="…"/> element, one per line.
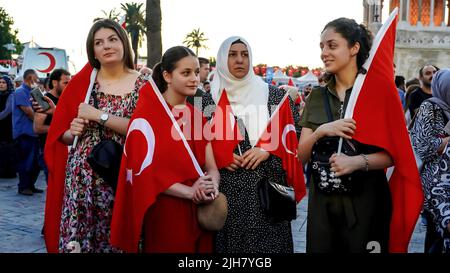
<point x="3" y="69"/>
<point x="308" y="78"/>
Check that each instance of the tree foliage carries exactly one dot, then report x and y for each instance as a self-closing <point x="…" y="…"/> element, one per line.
<point x="112" y="14"/>
<point x="8" y="36"/>
<point x="195" y="39"/>
<point x="135" y="25"/>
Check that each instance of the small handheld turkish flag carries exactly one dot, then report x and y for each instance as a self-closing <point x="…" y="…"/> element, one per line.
<point x="122" y="22"/>
<point x="226" y="132"/>
<point x="280" y="139"/>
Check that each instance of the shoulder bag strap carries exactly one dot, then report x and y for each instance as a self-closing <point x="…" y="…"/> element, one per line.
<point x="326" y="103"/>
<point x="100" y="127"/>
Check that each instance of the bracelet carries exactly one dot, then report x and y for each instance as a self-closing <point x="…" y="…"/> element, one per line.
<point x="366" y="159"/>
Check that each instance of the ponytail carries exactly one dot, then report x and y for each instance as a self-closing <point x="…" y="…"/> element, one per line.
<point x="168" y="63"/>
<point x="158" y="78"/>
<point x="365" y="42"/>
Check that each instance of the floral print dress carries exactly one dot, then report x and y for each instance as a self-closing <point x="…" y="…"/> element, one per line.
<point x="88" y="200"/>
<point x="426" y="135"/>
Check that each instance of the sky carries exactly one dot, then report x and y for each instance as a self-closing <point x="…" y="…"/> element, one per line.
<point x="280" y="32"/>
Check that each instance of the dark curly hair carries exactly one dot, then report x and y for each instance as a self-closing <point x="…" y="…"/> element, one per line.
<point x="354" y="33"/>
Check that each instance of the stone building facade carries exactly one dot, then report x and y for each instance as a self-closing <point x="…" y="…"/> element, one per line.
<point x="423" y="32"/>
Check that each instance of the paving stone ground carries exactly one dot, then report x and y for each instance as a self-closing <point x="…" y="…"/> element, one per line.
<point x="21" y="219"/>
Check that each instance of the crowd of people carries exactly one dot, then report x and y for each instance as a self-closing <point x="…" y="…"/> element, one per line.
<point x="80" y="202"/>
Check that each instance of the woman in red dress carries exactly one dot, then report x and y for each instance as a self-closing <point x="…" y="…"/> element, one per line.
<point x="171" y="224"/>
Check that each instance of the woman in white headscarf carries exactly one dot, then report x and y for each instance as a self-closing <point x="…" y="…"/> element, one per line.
<point x="247" y="228"/>
<point x="430" y="135"/>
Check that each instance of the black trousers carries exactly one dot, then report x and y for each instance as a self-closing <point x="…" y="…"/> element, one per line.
<point x="433" y="240"/>
<point x="354" y="223"/>
<point x="8" y="159"/>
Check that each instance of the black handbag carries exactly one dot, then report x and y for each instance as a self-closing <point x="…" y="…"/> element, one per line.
<point x="324" y="179"/>
<point x="105" y="157"/>
<point x="277" y="201"/>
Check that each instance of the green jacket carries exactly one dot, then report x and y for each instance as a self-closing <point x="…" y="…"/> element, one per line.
<point x="314" y="113"/>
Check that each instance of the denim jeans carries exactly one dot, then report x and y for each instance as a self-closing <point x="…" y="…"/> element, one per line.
<point x="42" y="164"/>
<point x="28" y="165"/>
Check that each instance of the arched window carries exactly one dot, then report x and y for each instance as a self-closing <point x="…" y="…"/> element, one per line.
<point x="413" y="12"/>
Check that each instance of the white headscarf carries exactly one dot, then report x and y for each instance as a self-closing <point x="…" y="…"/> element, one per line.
<point x="248" y="96"/>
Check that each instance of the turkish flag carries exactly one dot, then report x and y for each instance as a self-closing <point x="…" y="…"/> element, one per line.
<point x="156" y="156"/>
<point x="122" y="22"/>
<point x="375" y="106"/>
<point x="226" y="133"/>
<point x="56" y="153"/>
<point x="291" y="83"/>
<point x="280" y="139"/>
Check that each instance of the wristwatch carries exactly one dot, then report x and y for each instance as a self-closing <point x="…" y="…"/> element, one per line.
<point x="103" y="118"/>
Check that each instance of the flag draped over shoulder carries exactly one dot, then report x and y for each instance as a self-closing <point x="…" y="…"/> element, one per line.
<point x="156" y="156"/>
<point x="226" y="134"/>
<point x="56" y="153"/>
<point x="280" y="139"/>
<point x="375" y="106"/>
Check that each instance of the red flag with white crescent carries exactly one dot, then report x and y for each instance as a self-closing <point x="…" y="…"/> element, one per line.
<point x="375" y="106"/>
<point x="122" y="22"/>
<point x="226" y="132"/>
<point x="280" y="139"/>
<point x="156" y="156"/>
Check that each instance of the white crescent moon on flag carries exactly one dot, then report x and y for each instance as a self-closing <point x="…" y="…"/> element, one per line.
<point x="286" y="130"/>
<point x="144" y="127"/>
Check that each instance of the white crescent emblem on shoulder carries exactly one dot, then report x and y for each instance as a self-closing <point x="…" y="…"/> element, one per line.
<point x="145" y="128"/>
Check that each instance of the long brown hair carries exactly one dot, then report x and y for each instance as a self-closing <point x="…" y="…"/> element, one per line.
<point x="107" y="23"/>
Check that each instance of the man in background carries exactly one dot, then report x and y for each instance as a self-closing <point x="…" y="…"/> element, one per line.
<point x="423" y="92"/>
<point x="24" y="135"/>
<point x="58" y="80"/>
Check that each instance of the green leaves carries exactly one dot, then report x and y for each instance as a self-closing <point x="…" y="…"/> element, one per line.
<point x="195" y="39"/>
<point x="135" y="24"/>
<point x="8" y="36"/>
